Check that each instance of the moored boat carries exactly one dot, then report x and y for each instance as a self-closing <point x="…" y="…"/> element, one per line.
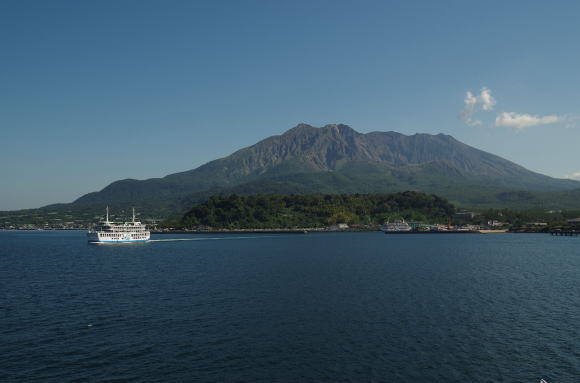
<point x="397" y="226"/>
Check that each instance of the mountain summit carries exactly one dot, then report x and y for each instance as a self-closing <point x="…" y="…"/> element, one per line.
<point x="338" y="159"/>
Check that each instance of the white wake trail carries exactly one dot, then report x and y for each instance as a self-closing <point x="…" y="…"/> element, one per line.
<point x="209" y="239"/>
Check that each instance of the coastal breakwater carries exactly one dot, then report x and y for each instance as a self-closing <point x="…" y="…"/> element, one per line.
<point x="436" y="232"/>
<point x="565" y="233"/>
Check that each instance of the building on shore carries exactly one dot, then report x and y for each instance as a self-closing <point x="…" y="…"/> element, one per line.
<point x="338" y="227"/>
<point x="465" y="215"/>
<point x="536" y="224"/>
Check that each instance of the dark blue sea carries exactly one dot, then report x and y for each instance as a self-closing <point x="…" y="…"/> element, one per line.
<point x="343" y="307"/>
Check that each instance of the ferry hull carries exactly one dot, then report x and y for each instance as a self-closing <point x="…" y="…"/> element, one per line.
<point x="97" y="242"/>
<point x="94" y="238"/>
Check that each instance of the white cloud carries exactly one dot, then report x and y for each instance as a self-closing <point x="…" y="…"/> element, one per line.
<point x="522" y="121"/>
<point x="570" y="121"/>
<point x="473" y="103"/>
<point x="486" y="99"/>
<point x="574" y="176"/>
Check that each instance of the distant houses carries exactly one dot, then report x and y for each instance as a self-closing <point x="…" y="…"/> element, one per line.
<point x="466" y="215"/>
<point x="493" y="224"/>
<point x="536" y="224"/>
<point x="338" y="227"/>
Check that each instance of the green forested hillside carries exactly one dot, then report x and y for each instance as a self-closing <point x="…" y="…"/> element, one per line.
<point x="315" y="210"/>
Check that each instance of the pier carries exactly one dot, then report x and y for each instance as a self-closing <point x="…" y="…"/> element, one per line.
<point x="565" y="233"/>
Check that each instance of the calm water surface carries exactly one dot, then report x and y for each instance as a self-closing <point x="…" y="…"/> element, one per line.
<point x="290" y="308"/>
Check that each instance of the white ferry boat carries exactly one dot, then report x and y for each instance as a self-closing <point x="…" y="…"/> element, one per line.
<point x="106" y="232"/>
<point x="397" y="226"/>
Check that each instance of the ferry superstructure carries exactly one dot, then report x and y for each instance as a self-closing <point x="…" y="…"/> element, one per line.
<point x="107" y="232"/>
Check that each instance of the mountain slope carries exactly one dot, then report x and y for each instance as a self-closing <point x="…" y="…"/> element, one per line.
<point x="337" y="159"/>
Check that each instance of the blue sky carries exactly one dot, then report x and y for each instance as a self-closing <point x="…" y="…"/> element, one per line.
<point x="96" y="91"/>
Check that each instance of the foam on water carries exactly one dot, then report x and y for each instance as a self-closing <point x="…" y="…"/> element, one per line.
<point x="211" y="239"/>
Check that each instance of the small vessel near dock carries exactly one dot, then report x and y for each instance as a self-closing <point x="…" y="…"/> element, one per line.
<point x="107" y="232"/>
<point x="396" y="227"/>
<point x="403" y="227"/>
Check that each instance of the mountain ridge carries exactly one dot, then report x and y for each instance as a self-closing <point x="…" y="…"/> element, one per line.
<point x="371" y="162"/>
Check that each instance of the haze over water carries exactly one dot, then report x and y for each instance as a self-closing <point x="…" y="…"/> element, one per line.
<point x="317" y="307"/>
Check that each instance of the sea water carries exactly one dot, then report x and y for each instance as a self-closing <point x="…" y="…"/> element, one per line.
<point x="341" y="307"/>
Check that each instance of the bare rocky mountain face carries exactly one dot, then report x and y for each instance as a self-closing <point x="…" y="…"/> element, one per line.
<point x="336" y="158"/>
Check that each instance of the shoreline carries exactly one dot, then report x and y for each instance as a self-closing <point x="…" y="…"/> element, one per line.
<point x="308" y="231"/>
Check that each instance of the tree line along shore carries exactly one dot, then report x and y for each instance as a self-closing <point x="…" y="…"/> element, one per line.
<point x="315" y="212"/>
<point x="353" y="212"/>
